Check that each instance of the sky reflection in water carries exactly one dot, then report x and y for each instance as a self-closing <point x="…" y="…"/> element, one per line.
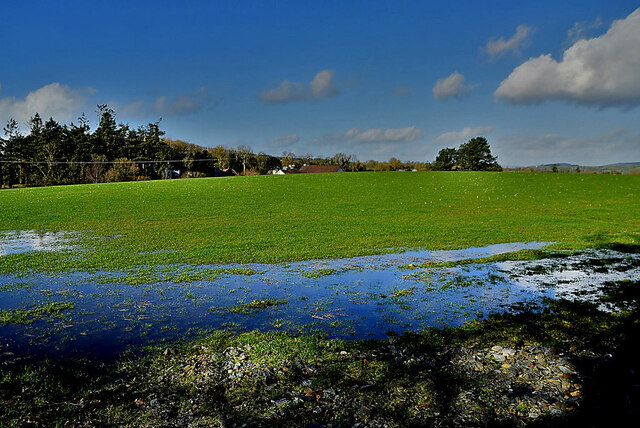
<point x="361" y="297"/>
<point x="22" y="241"/>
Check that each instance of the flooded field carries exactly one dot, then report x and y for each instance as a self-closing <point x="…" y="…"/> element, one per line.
<point x="22" y="241"/>
<point x="103" y="313"/>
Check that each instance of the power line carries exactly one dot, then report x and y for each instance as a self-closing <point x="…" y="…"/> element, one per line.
<point x="102" y="162"/>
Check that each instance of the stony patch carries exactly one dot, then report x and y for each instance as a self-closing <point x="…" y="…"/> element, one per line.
<point x="522" y="384"/>
<point x="474" y="386"/>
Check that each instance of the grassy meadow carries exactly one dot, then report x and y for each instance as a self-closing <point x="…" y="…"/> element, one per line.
<point x="265" y="378"/>
<point x="307" y="216"/>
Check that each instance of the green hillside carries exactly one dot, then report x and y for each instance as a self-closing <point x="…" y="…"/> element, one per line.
<point x="294" y="217"/>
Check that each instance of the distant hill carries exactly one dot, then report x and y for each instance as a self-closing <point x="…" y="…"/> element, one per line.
<point x="621" y="168"/>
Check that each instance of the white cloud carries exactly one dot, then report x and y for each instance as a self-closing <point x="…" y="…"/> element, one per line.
<point x="602" y="71"/>
<point x="286" y="92"/>
<point x="322" y="86"/>
<point x="375" y="135"/>
<point x="464" y="135"/>
<point x="404" y="135"/>
<point x="580" y="29"/>
<point x="499" y="47"/>
<point x="451" y="86"/>
<point x="53" y="100"/>
<point x="283" y="141"/>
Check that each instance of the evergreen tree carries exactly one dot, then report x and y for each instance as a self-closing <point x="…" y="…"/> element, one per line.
<point x="475" y="155"/>
<point x="16" y="150"/>
<point x="106" y="138"/>
<point x="50" y="150"/>
<point x="446" y="160"/>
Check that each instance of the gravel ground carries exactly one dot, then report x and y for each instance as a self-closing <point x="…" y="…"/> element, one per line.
<point x="452" y="386"/>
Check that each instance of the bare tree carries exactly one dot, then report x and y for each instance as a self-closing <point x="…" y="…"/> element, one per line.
<point x="243" y="153"/>
<point x="342" y="159"/>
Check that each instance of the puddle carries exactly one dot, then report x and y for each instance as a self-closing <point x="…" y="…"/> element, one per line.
<point x="361" y="297"/>
<point x="22" y="241"/>
<point x="585" y="276"/>
<point x="420" y="256"/>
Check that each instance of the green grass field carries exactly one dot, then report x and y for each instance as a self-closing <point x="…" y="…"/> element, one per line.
<point x="295" y="217"/>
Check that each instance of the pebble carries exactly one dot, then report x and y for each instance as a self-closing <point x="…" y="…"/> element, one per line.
<point x="554" y="411"/>
<point x="531" y="376"/>
<point x="282" y="402"/>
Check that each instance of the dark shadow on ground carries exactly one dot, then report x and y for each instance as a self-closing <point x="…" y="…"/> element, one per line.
<point x="376" y="380"/>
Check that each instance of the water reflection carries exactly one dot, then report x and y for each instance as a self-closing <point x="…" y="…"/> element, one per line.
<point x="22" y="241"/>
<point x="362" y="297"/>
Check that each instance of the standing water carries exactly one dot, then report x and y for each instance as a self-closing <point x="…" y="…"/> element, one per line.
<point x="103" y="313"/>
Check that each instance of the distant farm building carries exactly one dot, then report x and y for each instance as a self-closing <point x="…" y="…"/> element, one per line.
<point x="291" y="171"/>
<point x="321" y="168"/>
<point x="286" y="169"/>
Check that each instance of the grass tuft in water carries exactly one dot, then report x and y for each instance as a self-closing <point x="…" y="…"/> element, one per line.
<point x="317" y="273"/>
<point x="250" y="307"/>
<point x="28" y="316"/>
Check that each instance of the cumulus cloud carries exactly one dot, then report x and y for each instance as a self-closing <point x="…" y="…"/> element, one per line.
<point x="375" y="135"/>
<point x="464" y="135"/>
<point x="53" y="100"/>
<point x="283" y="141"/>
<point x="451" y="86"/>
<point x="603" y="71"/>
<point x="499" y="47"/>
<point x="322" y="86"/>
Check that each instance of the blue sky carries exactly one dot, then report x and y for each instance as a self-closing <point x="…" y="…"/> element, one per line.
<point x="543" y="81"/>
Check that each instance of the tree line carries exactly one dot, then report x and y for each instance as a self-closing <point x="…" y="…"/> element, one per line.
<point x="51" y="153"/>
